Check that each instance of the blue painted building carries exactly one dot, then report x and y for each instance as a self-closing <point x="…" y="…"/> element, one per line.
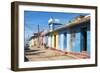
<point x="71" y="37"/>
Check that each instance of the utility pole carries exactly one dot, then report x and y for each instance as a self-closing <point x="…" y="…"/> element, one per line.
<point x="38" y="37"/>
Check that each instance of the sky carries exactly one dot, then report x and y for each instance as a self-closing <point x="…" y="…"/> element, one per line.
<point x="34" y="18"/>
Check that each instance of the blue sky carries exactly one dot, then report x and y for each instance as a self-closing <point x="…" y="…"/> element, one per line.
<point x="33" y="18"/>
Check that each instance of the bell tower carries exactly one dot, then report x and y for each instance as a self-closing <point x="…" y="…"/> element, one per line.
<point x="50" y="22"/>
<point x="53" y="23"/>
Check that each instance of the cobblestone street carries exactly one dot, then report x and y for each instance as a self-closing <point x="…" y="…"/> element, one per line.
<point x="38" y="54"/>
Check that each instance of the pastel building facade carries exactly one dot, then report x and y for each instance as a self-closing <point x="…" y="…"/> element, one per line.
<point x="33" y="41"/>
<point x="72" y="37"/>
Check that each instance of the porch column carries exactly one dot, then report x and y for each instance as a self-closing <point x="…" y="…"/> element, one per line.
<point x="68" y="43"/>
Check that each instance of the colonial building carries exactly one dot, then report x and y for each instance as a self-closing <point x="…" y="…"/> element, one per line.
<point x="38" y="40"/>
<point x="33" y="41"/>
<point x="71" y="37"/>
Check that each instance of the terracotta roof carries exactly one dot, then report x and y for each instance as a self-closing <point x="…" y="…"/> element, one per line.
<point x="72" y="24"/>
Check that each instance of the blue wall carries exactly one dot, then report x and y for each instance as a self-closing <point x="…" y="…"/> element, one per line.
<point x="65" y="40"/>
<point x="88" y="42"/>
<point x="76" y="44"/>
<point x="62" y="40"/>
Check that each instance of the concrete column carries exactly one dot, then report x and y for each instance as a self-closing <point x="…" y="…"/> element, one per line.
<point x="57" y="41"/>
<point x="49" y="41"/>
<point x="52" y="41"/>
<point x="62" y="42"/>
<point x="68" y="43"/>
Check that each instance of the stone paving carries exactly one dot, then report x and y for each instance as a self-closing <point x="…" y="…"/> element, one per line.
<point x="41" y="54"/>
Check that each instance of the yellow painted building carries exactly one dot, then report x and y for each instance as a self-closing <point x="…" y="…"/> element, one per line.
<point x="55" y="40"/>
